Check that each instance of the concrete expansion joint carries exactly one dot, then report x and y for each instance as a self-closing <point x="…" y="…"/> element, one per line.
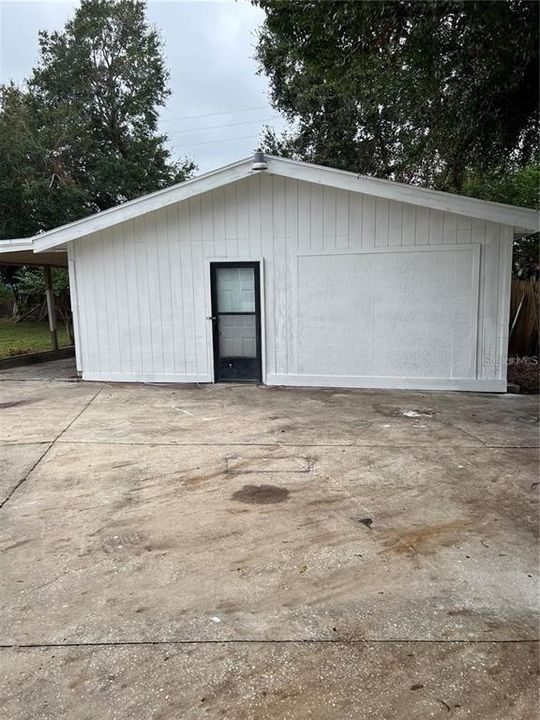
<point x="46" y="451"/>
<point x="254" y="641"/>
<point x="17" y="485"/>
<point x="284" y="445"/>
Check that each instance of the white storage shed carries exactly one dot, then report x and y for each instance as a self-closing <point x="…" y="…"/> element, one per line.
<point x="287" y="273"/>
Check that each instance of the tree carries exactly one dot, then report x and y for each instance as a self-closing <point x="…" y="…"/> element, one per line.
<point x="422" y="92"/>
<point x="82" y="136"/>
<point x="519" y="187"/>
<point x="34" y="195"/>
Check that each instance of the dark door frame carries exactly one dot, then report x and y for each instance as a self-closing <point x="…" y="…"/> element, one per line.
<point x="256" y="265"/>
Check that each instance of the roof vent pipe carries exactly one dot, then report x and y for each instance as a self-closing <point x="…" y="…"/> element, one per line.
<point x="259" y="161"/>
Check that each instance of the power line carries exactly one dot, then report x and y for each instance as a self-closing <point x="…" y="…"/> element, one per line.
<point x="211" y="142"/>
<point x="223" y="112"/>
<point x="215" y="127"/>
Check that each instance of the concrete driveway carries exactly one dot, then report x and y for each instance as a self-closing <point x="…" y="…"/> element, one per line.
<point x="246" y="552"/>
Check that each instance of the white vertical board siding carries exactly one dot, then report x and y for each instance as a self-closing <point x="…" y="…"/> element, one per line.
<point x="143" y="295"/>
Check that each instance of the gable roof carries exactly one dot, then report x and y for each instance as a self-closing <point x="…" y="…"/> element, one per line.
<point x="471" y="207"/>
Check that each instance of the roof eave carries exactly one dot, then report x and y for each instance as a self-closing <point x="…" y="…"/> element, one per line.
<point x="15" y="244"/>
<point x="146" y="203"/>
<point x="447" y="202"/>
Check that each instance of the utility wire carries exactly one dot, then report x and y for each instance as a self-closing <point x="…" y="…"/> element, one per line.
<point x="223" y="112"/>
<point x="212" y="142"/>
<point x="215" y="127"/>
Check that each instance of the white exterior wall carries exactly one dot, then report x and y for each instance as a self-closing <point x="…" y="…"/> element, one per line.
<point x="142" y="288"/>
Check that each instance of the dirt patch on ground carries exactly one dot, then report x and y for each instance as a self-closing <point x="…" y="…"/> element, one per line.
<point x="261" y="494"/>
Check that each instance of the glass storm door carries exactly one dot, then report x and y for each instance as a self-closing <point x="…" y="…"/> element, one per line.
<point x="236" y="318"/>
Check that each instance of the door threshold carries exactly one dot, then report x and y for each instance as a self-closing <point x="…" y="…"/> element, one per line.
<point x="236" y="381"/>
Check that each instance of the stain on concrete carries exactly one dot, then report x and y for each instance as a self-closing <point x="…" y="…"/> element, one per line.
<point x="122" y="541"/>
<point x="327" y="500"/>
<point x="270" y="464"/>
<point x="409" y="412"/>
<point x="261" y="494"/>
<point x="194" y="481"/>
<point x="16" y="545"/>
<point x="14" y="403"/>
<point x="425" y="540"/>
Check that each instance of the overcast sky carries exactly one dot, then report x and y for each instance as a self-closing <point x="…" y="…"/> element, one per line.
<point x="209" y="49"/>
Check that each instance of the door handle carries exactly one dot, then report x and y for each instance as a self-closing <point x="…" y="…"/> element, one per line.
<point x="211" y="317"/>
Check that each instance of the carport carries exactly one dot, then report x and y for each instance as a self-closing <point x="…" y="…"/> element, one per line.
<point x="19" y="252"/>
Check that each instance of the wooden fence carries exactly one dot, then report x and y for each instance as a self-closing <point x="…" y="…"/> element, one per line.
<point x="523" y="340"/>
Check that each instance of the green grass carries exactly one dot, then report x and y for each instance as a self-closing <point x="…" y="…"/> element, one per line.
<point x="28" y="336"/>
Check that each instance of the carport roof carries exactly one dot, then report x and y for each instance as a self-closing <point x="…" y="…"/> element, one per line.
<point x="517" y="217"/>
<point x="20" y="251"/>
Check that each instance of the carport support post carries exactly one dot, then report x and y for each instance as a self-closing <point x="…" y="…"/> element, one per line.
<point x="51" y="312"/>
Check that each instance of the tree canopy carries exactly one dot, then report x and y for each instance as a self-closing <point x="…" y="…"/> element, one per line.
<point x="81" y="136"/>
<point x="429" y="92"/>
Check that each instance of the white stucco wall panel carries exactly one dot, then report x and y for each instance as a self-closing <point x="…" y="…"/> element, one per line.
<point x="398" y="312"/>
